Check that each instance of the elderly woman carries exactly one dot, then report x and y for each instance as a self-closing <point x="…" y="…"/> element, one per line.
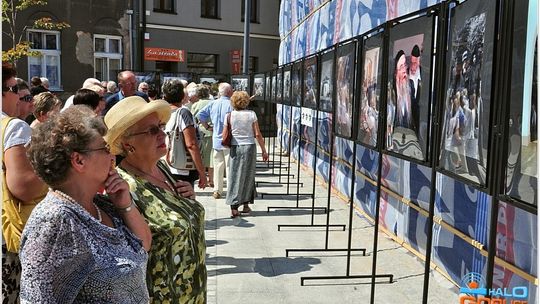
<point x="19" y="179"/>
<point x="243" y="155"/>
<point x="182" y="119"/>
<point x="26" y="106"/>
<point x="206" y="134"/>
<point x="45" y="105"/>
<point x="78" y="246"/>
<point x="176" y="266"/>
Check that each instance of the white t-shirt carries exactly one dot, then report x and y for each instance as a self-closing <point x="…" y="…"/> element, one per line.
<point x="242" y="127"/>
<point x="16" y="133"/>
<point x="186" y="120"/>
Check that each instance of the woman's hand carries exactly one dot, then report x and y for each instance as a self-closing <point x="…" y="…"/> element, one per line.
<point x="117" y="189"/>
<point x="265" y="156"/>
<point x="185" y="189"/>
<point x="202" y="180"/>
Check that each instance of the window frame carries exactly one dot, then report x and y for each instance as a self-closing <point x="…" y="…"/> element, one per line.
<point x="190" y="67"/>
<point x="107" y="55"/>
<point x="254" y="10"/>
<point x="207" y="16"/>
<point x="46" y="52"/>
<point x="161" y="8"/>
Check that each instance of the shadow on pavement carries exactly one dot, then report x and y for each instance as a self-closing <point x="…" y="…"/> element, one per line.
<point x="267" y="267"/>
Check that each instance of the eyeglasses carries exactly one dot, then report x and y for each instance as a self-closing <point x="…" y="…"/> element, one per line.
<point x="153" y="130"/>
<point x="27" y="98"/>
<point x="14" y="89"/>
<point x="106" y="148"/>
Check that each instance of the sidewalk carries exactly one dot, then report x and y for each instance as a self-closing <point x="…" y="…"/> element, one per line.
<point x="247" y="264"/>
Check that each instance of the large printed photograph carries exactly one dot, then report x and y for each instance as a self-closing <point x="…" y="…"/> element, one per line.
<point x="370" y="90"/>
<point x="268" y="87"/>
<point x="279" y="86"/>
<point x="310" y="83"/>
<point x="258" y="87"/>
<point x="296" y="82"/>
<point x="345" y="89"/>
<point x="466" y="105"/>
<point x="287" y="85"/>
<point x="522" y="164"/>
<point x="326" y="82"/>
<point x="240" y="83"/>
<point x="408" y="100"/>
<point x="274" y="86"/>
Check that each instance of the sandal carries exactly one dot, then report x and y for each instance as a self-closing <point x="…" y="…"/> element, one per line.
<point x="246" y="210"/>
<point x="234" y="213"/>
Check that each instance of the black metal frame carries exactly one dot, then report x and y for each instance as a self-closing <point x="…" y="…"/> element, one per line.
<point x="354" y="43"/>
<point x="373" y="276"/>
<point x="329" y="52"/>
<point x="291" y="135"/>
<point x="426" y="12"/>
<point x="313" y="208"/>
<point x="242" y="77"/>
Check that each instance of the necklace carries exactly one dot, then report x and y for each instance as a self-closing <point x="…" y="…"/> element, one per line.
<point x="140" y="173"/>
<point x="72" y="200"/>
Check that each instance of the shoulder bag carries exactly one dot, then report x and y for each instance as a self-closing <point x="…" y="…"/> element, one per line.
<point x="227" y="132"/>
<point x="178" y="156"/>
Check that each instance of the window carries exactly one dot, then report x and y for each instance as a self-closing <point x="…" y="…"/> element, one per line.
<point x="164" y="6"/>
<point x="253" y="64"/>
<point x="107" y="56"/>
<point x="254" y="15"/>
<point x="202" y="63"/>
<point x="209" y="9"/>
<point x="48" y="64"/>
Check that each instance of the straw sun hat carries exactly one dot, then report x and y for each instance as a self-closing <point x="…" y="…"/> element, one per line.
<point x="128" y="112"/>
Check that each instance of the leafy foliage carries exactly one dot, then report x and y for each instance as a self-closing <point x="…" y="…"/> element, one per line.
<point x="20" y="47"/>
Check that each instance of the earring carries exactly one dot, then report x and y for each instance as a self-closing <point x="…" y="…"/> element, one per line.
<point x="131" y="149"/>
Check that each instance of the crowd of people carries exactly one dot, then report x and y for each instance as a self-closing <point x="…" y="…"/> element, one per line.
<point x="108" y="216"/>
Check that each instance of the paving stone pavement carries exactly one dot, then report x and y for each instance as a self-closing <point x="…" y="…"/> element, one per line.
<point x="247" y="264"/>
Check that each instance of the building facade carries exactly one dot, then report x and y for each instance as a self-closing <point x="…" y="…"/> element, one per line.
<point x="106" y="37"/>
<point x="209" y="35"/>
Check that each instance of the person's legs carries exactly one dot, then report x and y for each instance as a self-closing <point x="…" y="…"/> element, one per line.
<point x="219" y="170"/>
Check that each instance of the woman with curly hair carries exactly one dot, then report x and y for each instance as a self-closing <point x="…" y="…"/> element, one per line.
<point x="78" y="246"/>
<point x="243" y="155"/>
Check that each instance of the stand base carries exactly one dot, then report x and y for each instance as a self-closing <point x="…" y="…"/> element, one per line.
<point x="289" y="194"/>
<point x="305" y="226"/>
<point x="348" y="277"/>
<point x="363" y="250"/>
<point x="279" y="174"/>
<point x="276" y="183"/>
<point x="303" y="208"/>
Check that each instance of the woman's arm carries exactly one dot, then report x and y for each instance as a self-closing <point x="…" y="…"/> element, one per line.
<point x="118" y="191"/>
<point x="190" y="139"/>
<point x="260" y="139"/>
<point x="22" y="181"/>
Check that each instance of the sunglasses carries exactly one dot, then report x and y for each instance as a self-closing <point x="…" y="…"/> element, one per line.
<point x="153" y="130"/>
<point x="106" y="148"/>
<point x="14" y="89"/>
<point x="27" y="98"/>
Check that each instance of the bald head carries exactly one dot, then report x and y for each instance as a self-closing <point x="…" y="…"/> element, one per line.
<point x="127" y="83"/>
<point x="225" y="89"/>
<point x="89" y="82"/>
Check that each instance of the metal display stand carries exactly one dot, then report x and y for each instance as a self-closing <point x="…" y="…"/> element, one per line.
<point x="288" y="183"/>
<point x="313" y="208"/>
<point x="373" y="275"/>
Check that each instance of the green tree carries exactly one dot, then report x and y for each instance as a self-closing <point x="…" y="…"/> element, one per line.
<point x="20" y="47"/>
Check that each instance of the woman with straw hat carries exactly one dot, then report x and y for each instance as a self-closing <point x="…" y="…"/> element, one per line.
<point x="176" y="265"/>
